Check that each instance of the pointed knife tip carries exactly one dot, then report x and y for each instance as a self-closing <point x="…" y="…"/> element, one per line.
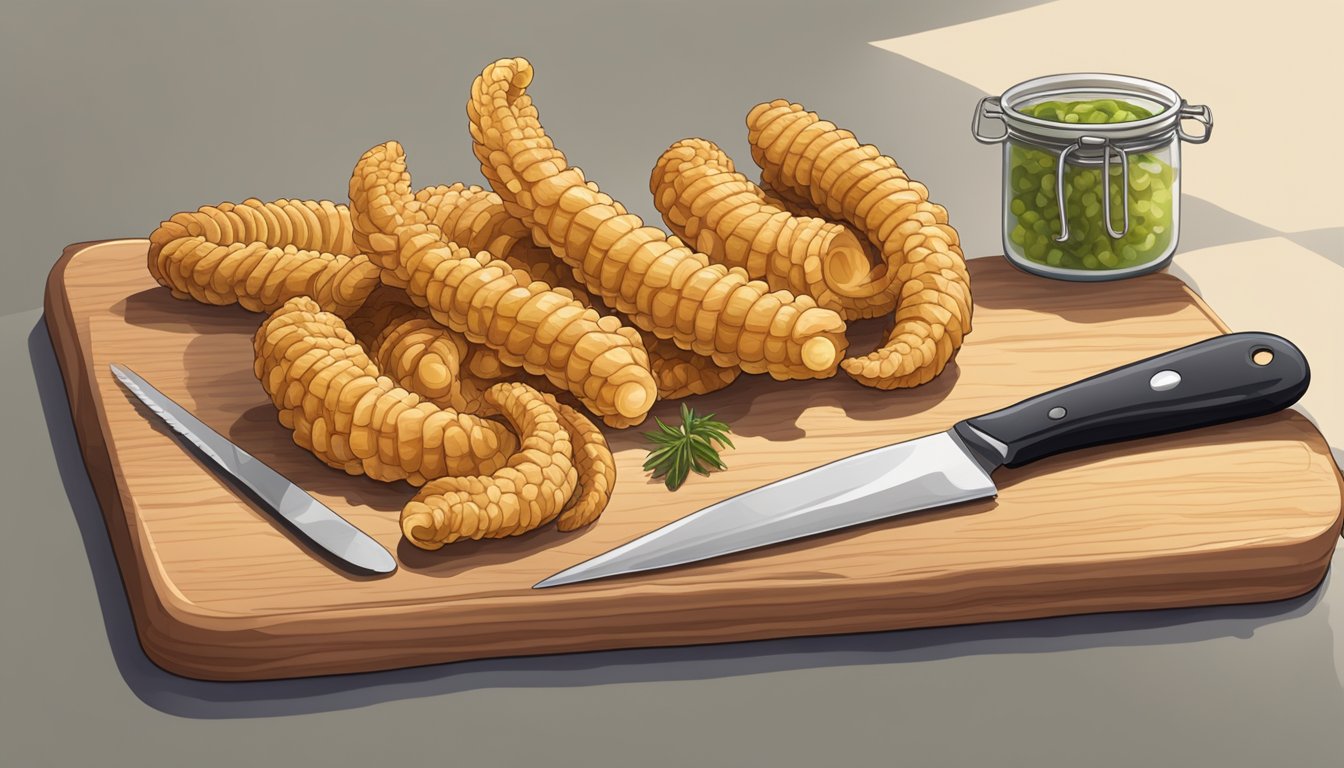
<point x="557" y="580"/>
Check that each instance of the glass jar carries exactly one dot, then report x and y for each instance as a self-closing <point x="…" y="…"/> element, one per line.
<point x="1091" y="173"/>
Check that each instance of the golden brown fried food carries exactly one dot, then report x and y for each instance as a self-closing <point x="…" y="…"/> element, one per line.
<point x="476" y="219"/>
<point x="416" y="352"/>
<point x="595" y="465"/>
<point x="682" y="373"/>
<point x="803" y="207"/>
<point x="353" y="418"/>
<point x="705" y="200"/>
<point x="260" y="255"/>
<point x="331" y="391"/>
<point x="676" y="372"/>
<point x="662" y="286"/>
<point x="530" y="491"/>
<point x="800" y="207"/>
<point x="804" y="157"/>
<point x="531" y="326"/>
<point x="566" y="471"/>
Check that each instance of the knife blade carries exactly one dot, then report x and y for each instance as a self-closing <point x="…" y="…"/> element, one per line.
<point x="1226" y="378"/>
<point x="315" y="521"/>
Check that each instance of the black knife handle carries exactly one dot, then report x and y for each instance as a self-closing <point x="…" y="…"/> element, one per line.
<point x="1210" y="382"/>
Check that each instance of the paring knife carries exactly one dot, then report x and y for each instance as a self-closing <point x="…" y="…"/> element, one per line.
<point x="310" y="517"/>
<point x="1222" y="379"/>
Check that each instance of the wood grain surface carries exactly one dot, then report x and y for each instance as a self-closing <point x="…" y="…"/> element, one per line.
<point x="1237" y="513"/>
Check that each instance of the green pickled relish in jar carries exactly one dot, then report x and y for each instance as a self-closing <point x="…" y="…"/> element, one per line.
<point x="1034" y="220"/>
<point x="1087" y="112"/>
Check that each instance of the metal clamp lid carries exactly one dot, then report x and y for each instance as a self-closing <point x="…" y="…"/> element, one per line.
<point x="1170" y="111"/>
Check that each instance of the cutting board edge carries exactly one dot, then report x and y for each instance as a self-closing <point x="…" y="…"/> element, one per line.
<point x="132" y="566"/>
<point x="1200" y="303"/>
<point x="166" y="622"/>
<point x="218" y="656"/>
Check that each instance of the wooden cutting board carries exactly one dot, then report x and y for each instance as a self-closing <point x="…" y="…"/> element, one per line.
<point x="1237" y="513"/>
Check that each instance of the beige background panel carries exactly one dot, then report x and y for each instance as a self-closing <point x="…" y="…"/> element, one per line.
<point x="1278" y="286"/>
<point x="1270" y="77"/>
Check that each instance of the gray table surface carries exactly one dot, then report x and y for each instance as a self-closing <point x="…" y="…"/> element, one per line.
<point x="115" y="115"/>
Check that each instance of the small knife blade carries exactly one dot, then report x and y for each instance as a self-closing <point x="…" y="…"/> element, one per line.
<point x="314" y="520"/>
<point x="1236" y="376"/>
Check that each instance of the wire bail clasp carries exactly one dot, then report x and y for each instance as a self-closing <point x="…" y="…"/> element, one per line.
<point x="1092" y="142"/>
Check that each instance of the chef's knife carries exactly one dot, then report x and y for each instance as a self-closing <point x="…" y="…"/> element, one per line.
<point x="1222" y="379"/>
<point x="310" y="517"/>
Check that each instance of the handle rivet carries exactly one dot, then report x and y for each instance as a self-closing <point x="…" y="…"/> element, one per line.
<point x="1057" y="413"/>
<point x="1164" y="380"/>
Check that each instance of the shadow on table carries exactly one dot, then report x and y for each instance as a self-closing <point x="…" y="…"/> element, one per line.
<point x="199" y="699"/>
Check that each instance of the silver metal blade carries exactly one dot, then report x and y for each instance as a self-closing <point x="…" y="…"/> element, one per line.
<point x="309" y="516"/>
<point x="885" y="482"/>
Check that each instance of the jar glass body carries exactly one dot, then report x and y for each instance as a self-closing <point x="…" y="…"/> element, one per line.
<point x="1142" y="190"/>
<point x="1091" y="172"/>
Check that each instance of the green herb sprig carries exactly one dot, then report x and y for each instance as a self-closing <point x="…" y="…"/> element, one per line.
<point x="689" y="448"/>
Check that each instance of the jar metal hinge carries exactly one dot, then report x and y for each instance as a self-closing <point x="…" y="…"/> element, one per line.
<point x="989" y="107"/>
<point x="1200" y="114"/>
